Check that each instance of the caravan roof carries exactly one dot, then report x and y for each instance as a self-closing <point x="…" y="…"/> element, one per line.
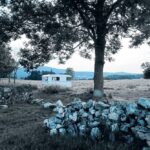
<point x="56" y="75"/>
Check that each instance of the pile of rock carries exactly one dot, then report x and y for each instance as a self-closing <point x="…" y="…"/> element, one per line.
<point x="131" y="121"/>
<point x="10" y="95"/>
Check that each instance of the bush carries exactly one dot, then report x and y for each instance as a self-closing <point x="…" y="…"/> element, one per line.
<point x="54" y="89"/>
<point x="27" y="87"/>
<point x="147" y="73"/>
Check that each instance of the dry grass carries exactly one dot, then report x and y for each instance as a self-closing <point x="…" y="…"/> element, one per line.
<point x="119" y="89"/>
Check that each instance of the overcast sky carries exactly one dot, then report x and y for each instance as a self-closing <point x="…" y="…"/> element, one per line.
<point x="126" y="60"/>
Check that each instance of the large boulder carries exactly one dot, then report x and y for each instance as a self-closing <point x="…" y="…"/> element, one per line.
<point x="132" y="109"/>
<point x="113" y="116"/>
<point x="145" y="103"/>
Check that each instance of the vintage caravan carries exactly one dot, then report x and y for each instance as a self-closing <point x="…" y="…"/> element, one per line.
<point x="57" y="80"/>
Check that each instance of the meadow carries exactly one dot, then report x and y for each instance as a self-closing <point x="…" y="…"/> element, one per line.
<point x="21" y="124"/>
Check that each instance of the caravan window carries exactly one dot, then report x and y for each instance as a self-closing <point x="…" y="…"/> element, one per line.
<point x="68" y="78"/>
<point x="46" y="78"/>
<point x="55" y="78"/>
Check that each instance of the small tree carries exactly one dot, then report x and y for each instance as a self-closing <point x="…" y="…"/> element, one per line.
<point x="7" y="63"/>
<point x="146" y="72"/>
<point x="70" y="72"/>
<point x="35" y="75"/>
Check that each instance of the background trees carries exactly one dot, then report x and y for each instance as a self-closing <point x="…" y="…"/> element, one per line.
<point x="146" y="72"/>
<point x="70" y="72"/>
<point x="58" y="28"/>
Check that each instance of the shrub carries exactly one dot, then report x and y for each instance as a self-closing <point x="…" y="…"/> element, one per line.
<point x="27" y="87"/>
<point x="147" y="73"/>
<point x="54" y="89"/>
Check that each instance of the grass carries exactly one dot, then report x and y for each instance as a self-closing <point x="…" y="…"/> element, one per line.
<point x="39" y="139"/>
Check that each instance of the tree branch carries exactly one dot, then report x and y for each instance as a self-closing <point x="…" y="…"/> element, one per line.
<point x="86" y="22"/>
<point x="78" y="45"/>
<point x="114" y="6"/>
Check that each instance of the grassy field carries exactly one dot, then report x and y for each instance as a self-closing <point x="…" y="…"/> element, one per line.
<point x="21" y="124"/>
<point x="117" y="89"/>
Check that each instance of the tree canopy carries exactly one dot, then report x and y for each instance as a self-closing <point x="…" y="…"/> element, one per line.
<point x="70" y="71"/>
<point x="146" y="72"/>
<point x="57" y="28"/>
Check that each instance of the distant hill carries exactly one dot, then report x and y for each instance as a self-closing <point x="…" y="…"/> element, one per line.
<point x="21" y="74"/>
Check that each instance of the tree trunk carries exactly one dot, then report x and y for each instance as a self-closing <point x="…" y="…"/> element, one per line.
<point x="9" y="78"/>
<point x="98" y="69"/>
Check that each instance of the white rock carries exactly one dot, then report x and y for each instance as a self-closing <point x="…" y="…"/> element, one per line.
<point x="58" y="126"/>
<point x="3" y="106"/>
<point x="73" y="116"/>
<point x="82" y="129"/>
<point x="59" y="103"/>
<point x="95" y="133"/>
<point x="85" y="115"/>
<point x="45" y="123"/>
<point x="51" y="123"/>
<point x="92" y="111"/>
<point x="148" y="119"/>
<point x="48" y="105"/>
<point x="100" y="105"/>
<point x="113" y="116"/>
<point x="62" y="131"/>
<point x="60" y="110"/>
<point x="97" y="114"/>
<point x="131" y="109"/>
<point x="144" y="103"/>
<point x="94" y="124"/>
<point x="53" y="132"/>
<point x="36" y="101"/>
<point x="114" y="127"/>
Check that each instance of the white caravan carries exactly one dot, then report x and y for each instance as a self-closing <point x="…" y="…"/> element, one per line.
<point x="57" y="80"/>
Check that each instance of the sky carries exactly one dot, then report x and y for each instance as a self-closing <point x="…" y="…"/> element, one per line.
<point x="126" y="60"/>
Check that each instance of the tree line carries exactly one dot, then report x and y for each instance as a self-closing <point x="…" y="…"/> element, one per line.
<point x="37" y="75"/>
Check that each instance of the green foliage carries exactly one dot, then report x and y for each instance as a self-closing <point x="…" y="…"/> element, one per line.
<point x="37" y="75"/>
<point x="7" y="63"/>
<point x="70" y="71"/>
<point x="54" y="27"/>
<point x="146" y="72"/>
<point x="48" y="72"/>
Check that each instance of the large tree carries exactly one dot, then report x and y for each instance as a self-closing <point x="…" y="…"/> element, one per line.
<point x="56" y="28"/>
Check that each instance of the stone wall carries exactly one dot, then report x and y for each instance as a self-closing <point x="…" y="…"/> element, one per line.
<point x="11" y="95"/>
<point x="127" y="122"/>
